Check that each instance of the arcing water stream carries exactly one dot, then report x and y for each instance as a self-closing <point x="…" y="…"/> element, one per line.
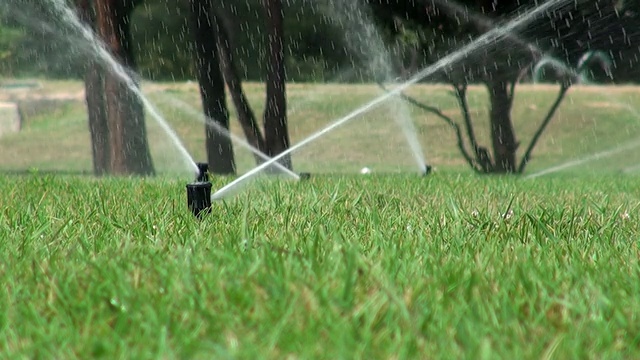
<point x="71" y="18"/>
<point x="483" y="40"/>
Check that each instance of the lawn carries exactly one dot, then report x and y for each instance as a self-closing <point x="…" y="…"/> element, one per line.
<point x="592" y="119"/>
<point x="379" y="266"/>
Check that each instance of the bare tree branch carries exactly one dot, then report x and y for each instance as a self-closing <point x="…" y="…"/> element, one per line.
<point x="441" y="115"/>
<point x="482" y="156"/>
<point x="527" y="155"/>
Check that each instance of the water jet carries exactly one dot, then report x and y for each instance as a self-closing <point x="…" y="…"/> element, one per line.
<point x="489" y="37"/>
<point x="99" y="50"/>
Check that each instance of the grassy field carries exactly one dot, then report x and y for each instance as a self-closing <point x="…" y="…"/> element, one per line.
<point x="384" y="266"/>
<point x="592" y="119"/>
<point x="449" y="266"/>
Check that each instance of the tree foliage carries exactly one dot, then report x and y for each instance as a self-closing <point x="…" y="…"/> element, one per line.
<point x="160" y="34"/>
<point x="32" y="43"/>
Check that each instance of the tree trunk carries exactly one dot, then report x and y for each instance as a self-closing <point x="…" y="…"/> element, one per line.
<point x="138" y="155"/>
<point x="502" y="133"/>
<point x="275" y="113"/>
<point x="94" y="95"/>
<point x="98" y="127"/>
<point x="219" y="145"/>
<point x="129" y="149"/>
<point x="246" y="116"/>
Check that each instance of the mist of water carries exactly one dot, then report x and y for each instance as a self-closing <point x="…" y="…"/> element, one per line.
<point x="485" y="39"/>
<point x="586" y="159"/>
<point x="631" y="169"/>
<point x="599" y="155"/>
<point x="362" y="36"/>
<point x="579" y="73"/>
<point x="183" y="106"/>
<point x="69" y="17"/>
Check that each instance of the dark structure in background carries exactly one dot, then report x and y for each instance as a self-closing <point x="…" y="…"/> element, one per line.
<point x="214" y="53"/>
<point x="218" y="145"/>
<point x="276" y="133"/>
<point x="116" y="115"/>
<point x="226" y="46"/>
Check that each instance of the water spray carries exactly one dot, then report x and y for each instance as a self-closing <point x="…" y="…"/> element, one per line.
<point x="199" y="192"/>
<point x="361" y="28"/>
<point x="593" y="157"/>
<point x="181" y="104"/>
<point x="487" y="38"/>
<point x="101" y="53"/>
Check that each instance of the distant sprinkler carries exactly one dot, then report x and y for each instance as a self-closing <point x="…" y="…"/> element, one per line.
<point x="199" y="192"/>
<point x="365" y="170"/>
<point x="305" y="176"/>
<point x="427" y="170"/>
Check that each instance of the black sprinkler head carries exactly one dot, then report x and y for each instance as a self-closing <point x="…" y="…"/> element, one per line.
<point x="305" y="176"/>
<point x="199" y="198"/>
<point x="427" y="170"/>
<point x="203" y="172"/>
<point x="199" y="192"/>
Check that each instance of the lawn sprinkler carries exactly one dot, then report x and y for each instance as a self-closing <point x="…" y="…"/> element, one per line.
<point x="427" y="170"/>
<point x="305" y="176"/>
<point x="199" y="192"/>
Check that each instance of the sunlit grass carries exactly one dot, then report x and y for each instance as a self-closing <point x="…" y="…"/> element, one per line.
<point x="335" y="267"/>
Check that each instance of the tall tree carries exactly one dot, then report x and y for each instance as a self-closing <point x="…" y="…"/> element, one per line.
<point x="219" y="146"/>
<point x="128" y="149"/>
<point x="275" y="113"/>
<point x="246" y="116"/>
<point x="276" y="137"/>
<point x="94" y="94"/>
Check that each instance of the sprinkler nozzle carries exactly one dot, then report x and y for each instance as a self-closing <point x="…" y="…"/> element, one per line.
<point x="203" y="172"/>
<point x="305" y="176"/>
<point x="427" y="170"/>
<point x="199" y="192"/>
<point x="199" y="198"/>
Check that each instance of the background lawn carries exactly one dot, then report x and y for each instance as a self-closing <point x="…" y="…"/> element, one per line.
<point x="592" y="119"/>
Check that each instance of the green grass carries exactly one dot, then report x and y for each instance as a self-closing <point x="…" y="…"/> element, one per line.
<point x="336" y="268"/>
<point x="341" y="266"/>
<point x="592" y="119"/>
